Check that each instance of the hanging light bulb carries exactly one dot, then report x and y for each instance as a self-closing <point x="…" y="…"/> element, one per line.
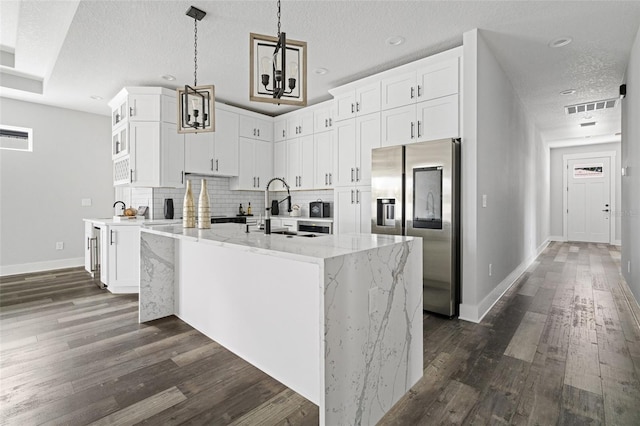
<point x="292" y="72"/>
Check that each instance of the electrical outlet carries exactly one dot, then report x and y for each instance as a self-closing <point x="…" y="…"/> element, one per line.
<point x="484" y="200"/>
<point x="490" y="269"/>
<point x="86" y="202"/>
<point x="59" y="245"/>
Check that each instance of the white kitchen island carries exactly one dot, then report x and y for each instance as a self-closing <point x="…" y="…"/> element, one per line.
<point x="337" y="318"/>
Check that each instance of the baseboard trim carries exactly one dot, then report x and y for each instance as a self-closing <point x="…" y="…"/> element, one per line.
<point x="26" y="268"/>
<point x="557" y="238"/>
<point x="617" y="242"/>
<point x="475" y="313"/>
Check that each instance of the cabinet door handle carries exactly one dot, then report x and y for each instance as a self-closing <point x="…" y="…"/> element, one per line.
<point x="130" y="175"/>
<point x="216" y="165"/>
<point x="330" y="123"/>
<point x="357" y="106"/>
<point x="352" y="108"/>
<point x="326" y="179"/>
<point x="352" y="196"/>
<point x="300" y="129"/>
<point x="330" y="179"/>
<point x="254" y="181"/>
<point x="352" y="174"/>
<point x="326" y="123"/>
<point x="412" y="92"/>
<point x="258" y="132"/>
<point x="111" y="237"/>
<point x="419" y="94"/>
<point x="357" y="196"/>
<point x="88" y="243"/>
<point x="212" y="164"/>
<point x="258" y="182"/>
<point x="130" y="111"/>
<point x="300" y="180"/>
<point x="412" y="126"/>
<point x="357" y="174"/>
<point x="254" y="132"/>
<point x="182" y="177"/>
<point x="419" y="128"/>
<point x="283" y="133"/>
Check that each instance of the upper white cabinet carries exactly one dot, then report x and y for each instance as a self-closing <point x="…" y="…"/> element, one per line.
<point x="146" y="147"/>
<point x="256" y="167"/>
<point x="354" y="141"/>
<point x="323" y="117"/>
<point x="280" y="129"/>
<point x="429" y="81"/>
<point x="353" y="102"/>
<point x="279" y="165"/>
<point x="300" y="163"/>
<point x="323" y="144"/>
<point x="255" y="128"/>
<point x="299" y="124"/>
<point x="214" y="153"/>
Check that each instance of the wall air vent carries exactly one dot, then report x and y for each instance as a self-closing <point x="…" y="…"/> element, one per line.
<point x="591" y="106"/>
<point x="590" y="123"/>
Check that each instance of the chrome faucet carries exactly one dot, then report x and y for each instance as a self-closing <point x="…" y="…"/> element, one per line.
<point x="124" y="206"/>
<point x="267" y="216"/>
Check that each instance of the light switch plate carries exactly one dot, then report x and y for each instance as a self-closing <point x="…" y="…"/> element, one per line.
<point x="484" y="200"/>
<point x="86" y="202"/>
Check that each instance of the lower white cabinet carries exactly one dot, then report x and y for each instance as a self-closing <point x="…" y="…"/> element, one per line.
<point x="255" y="165"/>
<point x="352" y="206"/>
<point x="122" y="243"/>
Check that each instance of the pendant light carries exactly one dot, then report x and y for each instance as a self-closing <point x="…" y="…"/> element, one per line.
<point x="196" y="104"/>
<point x="278" y="69"/>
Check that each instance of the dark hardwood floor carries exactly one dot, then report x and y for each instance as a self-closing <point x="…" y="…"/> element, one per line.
<point x="561" y="347"/>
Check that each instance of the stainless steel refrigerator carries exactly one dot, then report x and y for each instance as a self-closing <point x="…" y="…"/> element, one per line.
<point x="415" y="191"/>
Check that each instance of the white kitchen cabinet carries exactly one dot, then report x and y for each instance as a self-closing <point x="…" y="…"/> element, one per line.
<point x="324" y="152"/>
<point x="355" y="102"/>
<point x="425" y="80"/>
<point x="323" y="117"/>
<point x="214" y="153"/>
<point x="428" y="120"/>
<point x="256" y="128"/>
<point x="280" y="130"/>
<point x="279" y="165"/>
<point x="300" y="163"/>
<point x="256" y="165"/>
<point x="156" y="155"/>
<point x="300" y="124"/>
<point x="352" y="210"/>
<point x="147" y="150"/>
<point x="354" y="141"/>
<point x="123" y="245"/>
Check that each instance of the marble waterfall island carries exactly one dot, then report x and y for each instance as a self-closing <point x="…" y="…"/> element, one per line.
<point x="337" y="318"/>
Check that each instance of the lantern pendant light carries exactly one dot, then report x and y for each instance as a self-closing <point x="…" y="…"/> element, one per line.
<point x="196" y="104"/>
<point x="278" y="69"/>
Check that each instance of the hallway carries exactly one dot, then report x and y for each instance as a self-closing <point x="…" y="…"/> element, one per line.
<point x="562" y="347"/>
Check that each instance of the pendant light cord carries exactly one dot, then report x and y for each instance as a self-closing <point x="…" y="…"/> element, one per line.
<point x="278" y="18"/>
<point x="195" y="52"/>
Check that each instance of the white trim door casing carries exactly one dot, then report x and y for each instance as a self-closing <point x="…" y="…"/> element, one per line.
<point x="589" y="194"/>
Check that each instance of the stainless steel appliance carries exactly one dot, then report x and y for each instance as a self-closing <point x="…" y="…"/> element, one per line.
<point x="415" y="191"/>
<point x="317" y="227"/>
<point x="319" y="209"/>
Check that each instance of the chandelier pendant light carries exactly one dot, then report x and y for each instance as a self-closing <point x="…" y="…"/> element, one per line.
<point x="278" y="69"/>
<point x="196" y="104"/>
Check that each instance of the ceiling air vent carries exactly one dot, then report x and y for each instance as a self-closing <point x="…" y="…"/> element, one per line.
<point x="591" y="106"/>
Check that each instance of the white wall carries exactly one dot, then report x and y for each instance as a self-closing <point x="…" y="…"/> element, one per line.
<point x="557" y="184"/>
<point x="631" y="182"/>
<point x="511" y="168"/>
<point x="41" y="191"/>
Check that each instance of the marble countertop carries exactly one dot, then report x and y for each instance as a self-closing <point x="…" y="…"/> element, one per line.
<point x="298" y="247"/>
<point x="137" y="221"/>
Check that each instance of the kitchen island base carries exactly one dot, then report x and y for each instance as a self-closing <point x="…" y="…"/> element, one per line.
<point x="343" y="331"/>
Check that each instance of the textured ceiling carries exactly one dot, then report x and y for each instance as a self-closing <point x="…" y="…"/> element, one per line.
<point x="84" y="48"/>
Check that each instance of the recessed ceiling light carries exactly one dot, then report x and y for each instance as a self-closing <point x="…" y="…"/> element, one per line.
<point x="395" y="41"/>
<point x="321" y="71"/>
<point x="568" y="92"/>
<point x="96" y="97"/>
<point x="168" y="77"/>
<point x="560" y="41"/>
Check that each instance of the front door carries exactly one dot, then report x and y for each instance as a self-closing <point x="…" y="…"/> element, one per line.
<point x="589" y="199"/>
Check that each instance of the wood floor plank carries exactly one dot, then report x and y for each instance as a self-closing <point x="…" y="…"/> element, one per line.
<point x="524" y="343"/>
